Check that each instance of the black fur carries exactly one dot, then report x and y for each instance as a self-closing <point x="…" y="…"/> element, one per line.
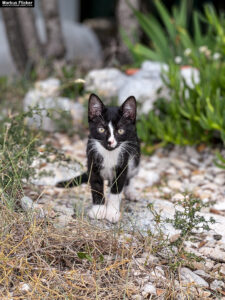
<point x="83" y="178"/>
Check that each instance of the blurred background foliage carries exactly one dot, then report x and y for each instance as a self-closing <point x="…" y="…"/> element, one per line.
<point x="194" y="114"/>
<point x="179" y="33"/>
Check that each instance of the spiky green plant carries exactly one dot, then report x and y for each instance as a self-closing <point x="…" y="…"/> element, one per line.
<point x="196" y="113"/>
<point x="169" y="33"/>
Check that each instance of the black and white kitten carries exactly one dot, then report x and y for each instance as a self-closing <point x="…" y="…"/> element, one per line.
<point x="113" y="153"/>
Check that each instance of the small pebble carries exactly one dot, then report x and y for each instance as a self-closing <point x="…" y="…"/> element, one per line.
<point x="217" y="284"/>
<point x="178" y="197"/>
<point x="188" y="276"/>
<point x="222" y="269"/>
<point x="24" y="287"/>
<point x="148" y="289"/>
<point x="217" y="237"/>
<point x="174" y="184"/>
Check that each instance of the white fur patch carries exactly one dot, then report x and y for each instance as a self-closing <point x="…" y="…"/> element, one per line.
<point x="113" y="208"/>
<point x="110" y="160"/>
<point x="97" y="212"/>
<point x="130" y="192"/>
<point x="132" y="169"/>
<point x="111" y="139"/>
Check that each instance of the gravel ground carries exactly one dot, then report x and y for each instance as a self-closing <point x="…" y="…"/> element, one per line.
<point x="164" y="178"/>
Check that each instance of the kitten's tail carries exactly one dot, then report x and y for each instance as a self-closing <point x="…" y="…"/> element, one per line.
<point x="83" y="178"/>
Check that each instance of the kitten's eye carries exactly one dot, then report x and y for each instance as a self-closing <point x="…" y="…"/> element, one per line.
<point x="121" y="131"/>
<point x="101" y="129"/>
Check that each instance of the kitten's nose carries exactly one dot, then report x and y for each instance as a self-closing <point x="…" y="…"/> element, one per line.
<point x="111" y="143"/>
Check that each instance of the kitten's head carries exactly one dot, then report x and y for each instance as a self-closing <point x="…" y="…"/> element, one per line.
<point x="112" y="125"/>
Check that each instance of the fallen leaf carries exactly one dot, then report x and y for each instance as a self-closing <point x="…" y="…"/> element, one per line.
<point x="197" y="172"/>
<point x="42" y="165"/>
<point x="201" y="244"/>
<point x="216" y="211"/>
<point x="159" y="292"/>
<point x="201" y="147"/>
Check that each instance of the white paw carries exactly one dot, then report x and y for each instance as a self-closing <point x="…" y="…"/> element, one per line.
<point x="97" y="212"/>
<point x="112" y="214"/>
<point x="131" y="194"/>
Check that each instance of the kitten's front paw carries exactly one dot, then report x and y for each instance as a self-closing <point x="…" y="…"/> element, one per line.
<point x="97" y="212"/>
<point x="131" y="194"/>
<point x="112" y="214"/>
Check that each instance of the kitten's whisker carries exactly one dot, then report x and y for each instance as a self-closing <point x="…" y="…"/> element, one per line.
<point x="131" y="148"/>
<point x="129" y="152"/>
<point x="131" y="156"/>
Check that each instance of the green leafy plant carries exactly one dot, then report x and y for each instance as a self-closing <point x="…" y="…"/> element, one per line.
<point x="188" y="219"/>
<point x="169" y="33"/>
<point x="193" y="115"/>
<point x="70" y="87"/>
<point x="196" y="112"/>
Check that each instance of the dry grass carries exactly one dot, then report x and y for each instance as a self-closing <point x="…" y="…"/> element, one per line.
<point x="81" y="261"/>
<point x="46" y="259"/>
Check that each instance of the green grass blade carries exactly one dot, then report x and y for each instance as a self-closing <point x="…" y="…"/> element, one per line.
<point x="198" y="38"/>
<point x="153" y="30"/>
<point x="147" y="53"/>
<point x="166" y="18"/>
<point x="182" y="17"/>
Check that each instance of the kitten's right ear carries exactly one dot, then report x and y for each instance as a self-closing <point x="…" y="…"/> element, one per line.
<point x="95" y="107"/>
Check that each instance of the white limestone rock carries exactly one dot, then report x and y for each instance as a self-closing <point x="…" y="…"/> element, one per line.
<point x="105" y="82"/>
<point x="187" y="276"/>
<point x="52" y="173"/>
<point x="26" y="203"/>
<point x="214" y="253"/>
<point x="146" y="85"/>
<point x="29" y="206"/>
<point x="44" y="101"/>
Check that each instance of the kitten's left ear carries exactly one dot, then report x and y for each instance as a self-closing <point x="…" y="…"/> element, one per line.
<point x="95" y="106"/>
<point x="129" y="108"/>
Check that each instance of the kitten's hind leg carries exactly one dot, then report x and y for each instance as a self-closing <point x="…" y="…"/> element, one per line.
<point x="129" y="190"/>
<point x="98" y="210"/>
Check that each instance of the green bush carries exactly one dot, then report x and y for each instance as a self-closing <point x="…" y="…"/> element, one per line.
<point x="196" y="112"/>
<point x="193" y="115"/>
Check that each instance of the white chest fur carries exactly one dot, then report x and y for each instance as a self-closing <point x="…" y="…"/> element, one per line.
<point x="110" y="160"/>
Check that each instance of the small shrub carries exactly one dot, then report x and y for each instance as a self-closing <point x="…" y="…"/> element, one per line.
<point x="18" y="148"/>
<point x="188" y="221"/>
